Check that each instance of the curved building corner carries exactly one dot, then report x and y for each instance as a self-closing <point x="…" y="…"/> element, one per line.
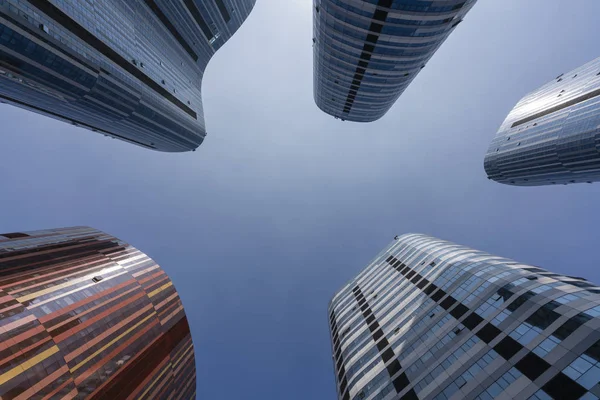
<point x="85" y="315"/>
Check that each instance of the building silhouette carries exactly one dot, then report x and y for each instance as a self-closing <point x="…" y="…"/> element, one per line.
<point x="552" y="136"/>
<point x="131" y="70"/>
<point x="366" y="53"/>
<point x="429" y="319"/>
<point x="85" y="315"/>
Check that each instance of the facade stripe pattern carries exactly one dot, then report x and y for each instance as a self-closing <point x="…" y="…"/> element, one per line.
<point x="366" y="52"/>
<point x="466" y="325"/>
<point x="84" y="315"/>
<point x="552" y="135"/>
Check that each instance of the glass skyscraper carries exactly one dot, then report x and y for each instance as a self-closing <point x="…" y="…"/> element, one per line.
<point x="429" y="319"/>
<point x="84" y="315"/>
<point x="131" y="70"/>
<point x="552" y="136"/>
<point x="366" y="52"/>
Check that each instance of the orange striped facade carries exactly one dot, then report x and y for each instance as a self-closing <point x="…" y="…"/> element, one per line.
<point x="84" y="315"/>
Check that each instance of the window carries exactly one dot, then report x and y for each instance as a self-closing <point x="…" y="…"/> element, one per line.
<point x="583" y="366"/>
<point x="496" y="388"/>
<point x="478" y="366"/>
<point x="593" y="312"/>
<point x="571" y="325"/>
<point x="566" y="298"/>
<point x="525" y="333"/>
<point x="532" y="366"/>
<point x="563" y="387"/>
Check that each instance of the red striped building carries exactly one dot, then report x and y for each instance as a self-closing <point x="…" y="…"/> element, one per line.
<point x="85" y="315"/>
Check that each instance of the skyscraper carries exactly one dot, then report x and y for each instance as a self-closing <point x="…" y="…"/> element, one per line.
<point x="429" y="319"/>
<point x="84" y="315"/>
<point x="552" y="136"/>
<point x="366" y="52"/>
<point x="131" y="70"/>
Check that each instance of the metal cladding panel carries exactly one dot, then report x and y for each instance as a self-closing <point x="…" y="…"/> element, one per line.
<point x="129" y="70"/>
<point x="367" y="52"/>
<point x="552" y="135"/>
<point x="84" y="315"/>
<point x="429" y="319"/>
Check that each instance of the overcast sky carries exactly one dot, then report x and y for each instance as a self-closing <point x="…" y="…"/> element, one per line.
<point x="283" y="204"/>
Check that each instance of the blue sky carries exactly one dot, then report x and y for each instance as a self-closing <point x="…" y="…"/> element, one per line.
<point x="282" y="204"/>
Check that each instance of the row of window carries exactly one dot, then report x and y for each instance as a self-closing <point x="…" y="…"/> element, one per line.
<point x="501" y="301"/>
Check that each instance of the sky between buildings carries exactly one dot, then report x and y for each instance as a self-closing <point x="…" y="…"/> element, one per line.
<point x="282" y="204"/>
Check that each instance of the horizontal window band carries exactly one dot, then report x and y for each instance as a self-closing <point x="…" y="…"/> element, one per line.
<point x="167" y="23"/>
<point x="50" y="41"/>
<point x="68" y="23"/>
<point x="559" y="107"/>
<point x="198" y="18"/>
<point x="223" y="10"/>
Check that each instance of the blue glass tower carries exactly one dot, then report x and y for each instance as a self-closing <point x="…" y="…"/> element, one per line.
<point x="130" y="70"/>
<point x="552" y="136"/>
<point x="429" y="319"/>
<point x="367" y="52"/>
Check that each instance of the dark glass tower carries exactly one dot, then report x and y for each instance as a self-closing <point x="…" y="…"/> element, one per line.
<point x="130" y="70"/>
<point x="429" y="319"/>
<point x="552" y="136"/>
<point x="84" y="315"/>
<point x="367" y="52"/>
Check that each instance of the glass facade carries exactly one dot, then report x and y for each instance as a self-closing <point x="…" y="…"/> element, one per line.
<point x="84" y="315"/>
<point x="552" y="136"/>
<point x="129" y="70"/>
<point x="367" y="52"/>
<point x="429" y="319"/>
